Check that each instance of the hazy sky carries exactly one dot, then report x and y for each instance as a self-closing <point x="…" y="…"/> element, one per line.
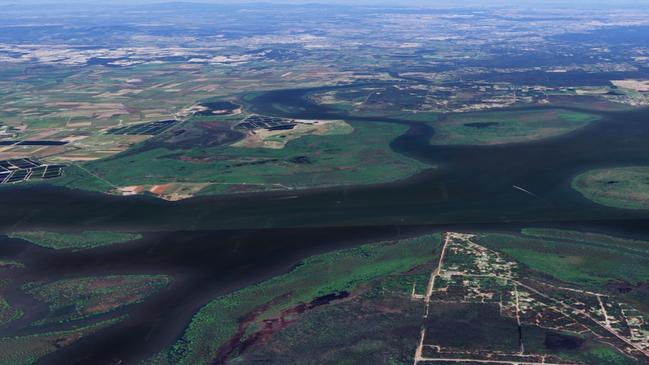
<point x="363" y="2"/>
<point x="382" y="2"/>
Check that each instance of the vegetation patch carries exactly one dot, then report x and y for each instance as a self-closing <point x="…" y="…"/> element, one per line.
<point x="631" y="246"/>
<point x="603" y="355"/>
<point x="10" y="264"/>
<point x="390" y="330"/>
<point x="218" y="329"/>
<point x="80" y="298"/>
<point x="587" y="259"/>
<point x="7" y="312"/>
<point x="75" y="241"/>
<point x="27" y="350"/>
<point x="623" y="187"/>
<point x="489" y="128"/>
<point x="361" y="157"/>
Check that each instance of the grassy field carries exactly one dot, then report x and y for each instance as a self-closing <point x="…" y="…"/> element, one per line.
<point x="630" y="246"/>
<point x="77" y="177"/>
<point x="80" y="298"/>
<point x="602" y="355"/>
<point x="584" y="259"/>
<point x="27" y="350"/>
<point x="242" y="315"/>
<point x="501" y="127"/>
<point x="74" y="241"/>
<point x="362" y="157"/>
<point x="624" y="187"/>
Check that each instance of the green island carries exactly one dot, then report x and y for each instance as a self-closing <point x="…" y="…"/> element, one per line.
<point x="10" y="264"/>
<point x="81" y="298"/>
<point x="27" y="350"/>
<point x="512" y="126"/>
<point x="75" y="241"/>
<point x="339" y="158"/>
<point x="622" y="187"/>
<point x="245" y="315"/>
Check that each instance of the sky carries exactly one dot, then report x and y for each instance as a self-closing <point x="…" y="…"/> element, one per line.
<point x="378" y="2"/>
<point x="135" y="2"/>
<point x="354" y="2"/>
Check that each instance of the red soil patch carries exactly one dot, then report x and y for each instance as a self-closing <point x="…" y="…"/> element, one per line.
<point x="346" y="168"/>
<point x="214" y="125"/>
<point x="417" y="269"/>
<point x="196" y="159"/>
<point x="159" y="189"/>
<point x="104" y="283"/>
<point x="242" y="188"/>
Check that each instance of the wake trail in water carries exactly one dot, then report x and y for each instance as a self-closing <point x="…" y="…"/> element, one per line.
<point x="527" y="192"/>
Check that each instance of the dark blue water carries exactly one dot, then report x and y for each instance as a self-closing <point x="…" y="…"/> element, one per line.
<point x="470" y="184"/>
<point x="252" y="237"/>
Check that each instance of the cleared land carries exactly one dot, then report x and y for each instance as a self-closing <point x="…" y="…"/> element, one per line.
<point x="636" y="85"/>
<point x="75" y="241"/>
<point x="624" y="187"/>
<point x="278" y="138"/>
<point x="491" y="128"/>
